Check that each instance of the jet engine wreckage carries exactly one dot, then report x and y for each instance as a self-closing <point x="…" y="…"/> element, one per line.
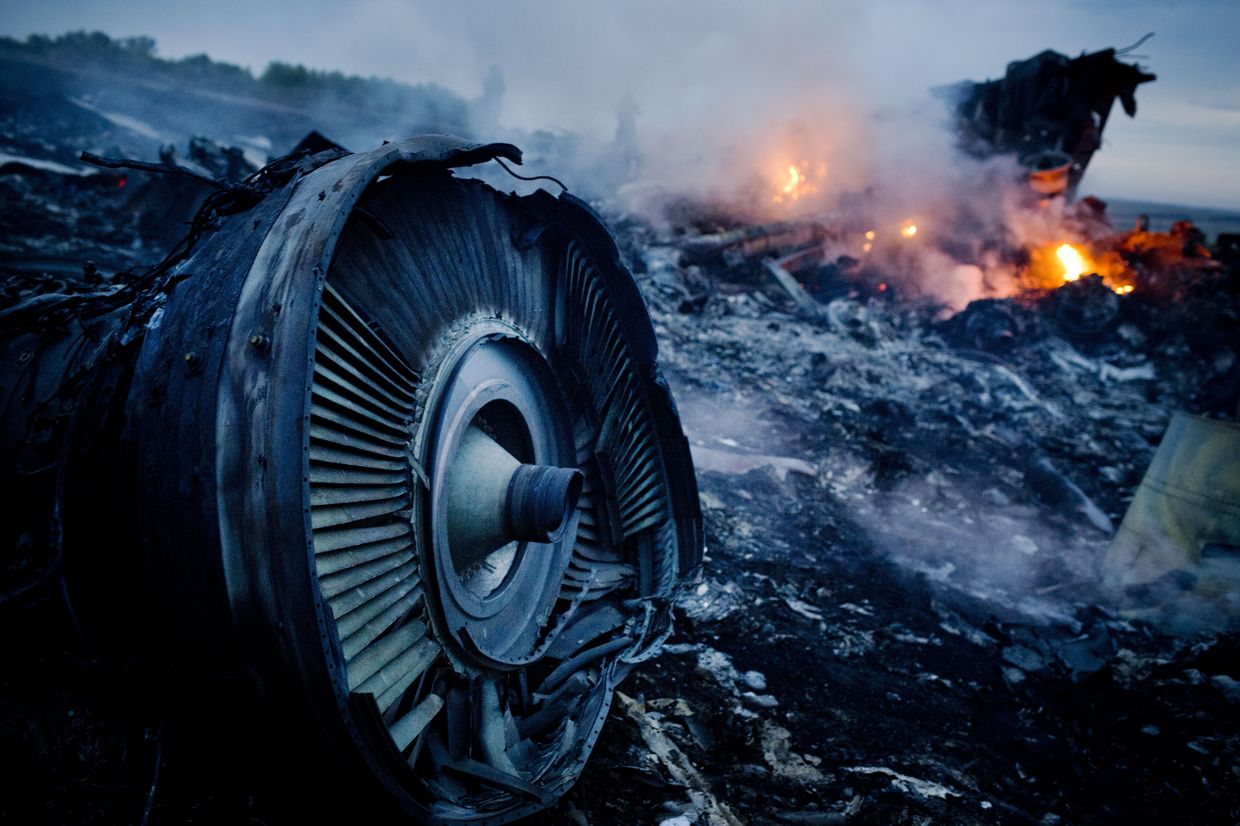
<point x="388" y="438"/>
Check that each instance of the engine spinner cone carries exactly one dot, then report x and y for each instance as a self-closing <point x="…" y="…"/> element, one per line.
<point x="494" y="499"/>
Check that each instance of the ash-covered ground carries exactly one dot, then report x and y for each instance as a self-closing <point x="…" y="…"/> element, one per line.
<point x="901" y="617"/>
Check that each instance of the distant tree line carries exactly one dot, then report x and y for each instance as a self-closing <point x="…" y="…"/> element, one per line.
<point x="285" y="83"/>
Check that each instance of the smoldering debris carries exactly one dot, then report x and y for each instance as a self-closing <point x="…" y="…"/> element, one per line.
<point x="903" y="615"/>
<point x="927" y="610"/>
<point x="994" y="448"/>
<point x="944" y="561"/>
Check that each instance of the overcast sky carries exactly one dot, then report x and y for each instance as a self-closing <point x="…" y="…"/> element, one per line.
<point x="567" y="63"/>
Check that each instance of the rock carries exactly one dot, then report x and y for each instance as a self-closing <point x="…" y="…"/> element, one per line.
<point x="1024" y="658"/>
<point x="754" y="680"/>
<point x="759" y="700"/>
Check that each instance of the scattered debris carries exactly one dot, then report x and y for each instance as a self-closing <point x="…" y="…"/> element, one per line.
<point x="678" y="766"/>
<point x="783" y="761"/>
<point x="909" y="785"/>
<point x="902" y="617"/>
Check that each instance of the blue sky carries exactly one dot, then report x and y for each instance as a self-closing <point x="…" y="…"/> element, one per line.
<point x="694" y="63"/>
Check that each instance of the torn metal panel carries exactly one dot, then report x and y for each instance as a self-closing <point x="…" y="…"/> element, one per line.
<point x="1049" y="103"/>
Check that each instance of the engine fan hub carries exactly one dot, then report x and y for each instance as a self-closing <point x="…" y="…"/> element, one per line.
<point x="496" y="419"/>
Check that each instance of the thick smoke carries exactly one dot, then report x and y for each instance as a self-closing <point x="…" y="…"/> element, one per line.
<point x="868" y="174"/>
<point x="653" y="106"/>
<point x="690" y="110"/>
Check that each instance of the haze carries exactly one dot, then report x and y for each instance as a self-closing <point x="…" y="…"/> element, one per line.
<point x="695" y="67"/>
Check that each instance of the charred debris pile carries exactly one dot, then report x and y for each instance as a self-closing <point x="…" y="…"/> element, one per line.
<point x="910" y="610"/>
<point x="904" y="615"/>
<point x="908" y="518"/>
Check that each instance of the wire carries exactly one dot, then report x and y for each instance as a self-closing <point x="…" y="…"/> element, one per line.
<point x="556" y="181"/>
<point x="145" y="166"/>
<point x="1128" y="49"/>
<point x="159" y="749"/>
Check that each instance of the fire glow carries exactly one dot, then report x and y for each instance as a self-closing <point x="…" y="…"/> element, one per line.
<point x="798" y="182"/>
<point x="1070" y="262"/>
<point x="1073" y="261"/>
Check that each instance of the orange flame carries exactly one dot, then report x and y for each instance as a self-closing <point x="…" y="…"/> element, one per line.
<point x="794" y="180"/>
<point x="908" y="230"/>
<point x="1070" y="262"/>
<point x="799" y="182"/>
<point x="1073" y="261"/>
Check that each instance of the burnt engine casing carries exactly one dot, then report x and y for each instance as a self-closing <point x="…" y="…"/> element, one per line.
<point x="272" y="424"/>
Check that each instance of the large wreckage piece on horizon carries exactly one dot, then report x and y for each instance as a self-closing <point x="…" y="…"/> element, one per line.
<point x="1049" y="110"/>
<point x="388" y="439"/>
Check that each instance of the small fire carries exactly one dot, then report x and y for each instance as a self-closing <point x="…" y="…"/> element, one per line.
<point x="794" y="181"/>
<point x="908" y="230"/>
<point x="799" y="181"/>
<point x="1073" y="261"/>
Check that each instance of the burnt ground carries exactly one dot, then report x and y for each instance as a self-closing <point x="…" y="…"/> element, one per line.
<point x="901" y="618"/>
<point x="922" y="608"/>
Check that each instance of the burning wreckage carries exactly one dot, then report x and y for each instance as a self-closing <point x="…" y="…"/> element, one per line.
<point x="431" y="495"/>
